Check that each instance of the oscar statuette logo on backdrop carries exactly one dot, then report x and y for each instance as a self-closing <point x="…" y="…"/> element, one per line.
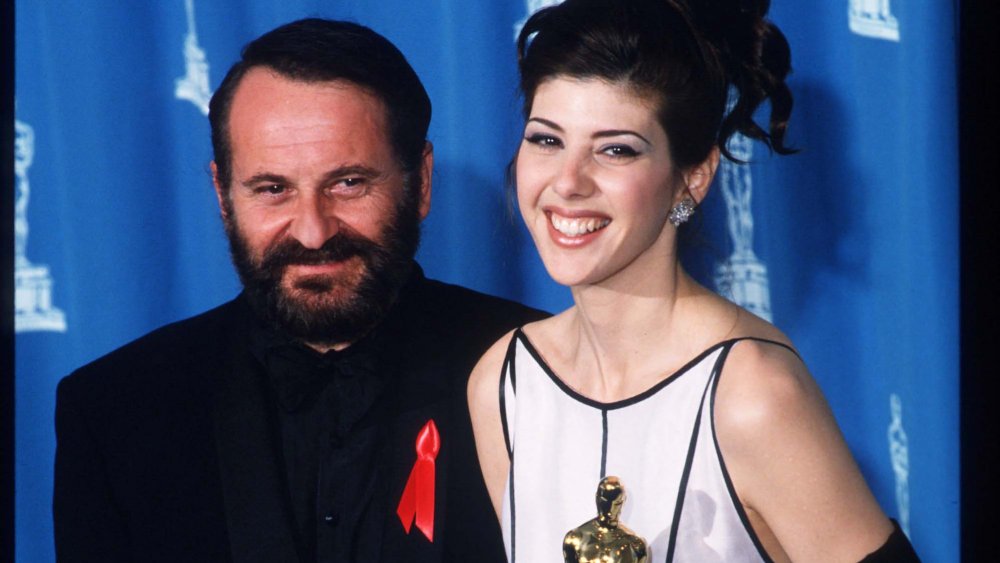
<point x="742" y="278"/>
<point x="193" y="86"/>
<point x="33" y="308"/>
<point x="899" y="453"/>
<point x="873" y="18"/>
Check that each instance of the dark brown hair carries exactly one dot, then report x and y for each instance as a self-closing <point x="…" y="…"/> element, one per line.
<point x="319" y="50"/>
<point x="691" y="56"/>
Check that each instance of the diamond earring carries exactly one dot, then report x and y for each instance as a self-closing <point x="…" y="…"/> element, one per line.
<point x="681" y="212"/>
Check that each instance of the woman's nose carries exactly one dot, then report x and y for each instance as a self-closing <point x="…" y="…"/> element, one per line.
<point x="573" y="178"/>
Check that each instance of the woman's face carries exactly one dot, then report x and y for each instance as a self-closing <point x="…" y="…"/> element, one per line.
<point x="595" y="182"/>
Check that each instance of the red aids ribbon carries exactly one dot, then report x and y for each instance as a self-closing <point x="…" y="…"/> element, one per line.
<point x="418" y="496"/>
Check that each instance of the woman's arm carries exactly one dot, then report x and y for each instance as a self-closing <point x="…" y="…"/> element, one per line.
<point x="484" y="407"/>
<point x="789" y="463"/>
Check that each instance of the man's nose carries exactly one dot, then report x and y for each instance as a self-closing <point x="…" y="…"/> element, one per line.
<point x="314" y="222"/>
<point x="573" y="179"/>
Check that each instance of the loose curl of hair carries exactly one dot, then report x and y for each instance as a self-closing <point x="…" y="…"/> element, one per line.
<point x="691" y="56"/>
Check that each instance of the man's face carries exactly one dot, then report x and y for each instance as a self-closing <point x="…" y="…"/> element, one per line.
<point x="321" y="223"/>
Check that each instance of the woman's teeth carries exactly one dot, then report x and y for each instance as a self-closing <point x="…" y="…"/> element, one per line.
<point x="575" y="227"/>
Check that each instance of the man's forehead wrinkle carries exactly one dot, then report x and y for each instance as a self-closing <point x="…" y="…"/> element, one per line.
<point x="278" y="142"/>
<point x="273" y="132"/>
<point x="287" y="134"/>
<point x="285" y="137"/>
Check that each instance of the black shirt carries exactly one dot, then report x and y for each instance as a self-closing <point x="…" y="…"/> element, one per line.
<point x="328" y="409"/>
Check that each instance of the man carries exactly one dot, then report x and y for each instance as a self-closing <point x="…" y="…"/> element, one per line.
<point x="321" y="415"/>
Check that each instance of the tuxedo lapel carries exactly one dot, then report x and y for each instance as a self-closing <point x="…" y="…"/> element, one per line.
<point x="436" y="353"/>
<point x="421" y="394"/>
<point x="257" y="512"/>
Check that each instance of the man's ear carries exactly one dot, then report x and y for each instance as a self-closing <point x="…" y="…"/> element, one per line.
<point x="426" y="171"/>
<point x="699" y="177"/>
<point x="219" y="193"/>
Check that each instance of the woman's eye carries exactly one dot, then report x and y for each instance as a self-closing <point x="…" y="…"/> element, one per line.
<point x="620" y="151"/>
<point x="543" y="140"/>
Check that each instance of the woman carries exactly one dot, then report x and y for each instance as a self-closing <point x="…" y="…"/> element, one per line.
<point x="720" y="436"/>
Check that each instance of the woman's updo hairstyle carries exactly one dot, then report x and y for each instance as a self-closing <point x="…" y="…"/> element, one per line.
<point x="689" y="55"/>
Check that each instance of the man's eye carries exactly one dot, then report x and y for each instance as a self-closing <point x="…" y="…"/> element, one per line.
<point x="272" y="189"/>
<point x="350" y="187"/>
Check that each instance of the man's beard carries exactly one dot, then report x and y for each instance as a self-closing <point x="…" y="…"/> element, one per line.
<point x="322" y="309"/>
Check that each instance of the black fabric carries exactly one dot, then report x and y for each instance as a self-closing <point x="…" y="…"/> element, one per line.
<point x="172" y="448"/>
<point x="896" y="549"/>
<point x="255" y="500"/>
<point x="329" y="462"/>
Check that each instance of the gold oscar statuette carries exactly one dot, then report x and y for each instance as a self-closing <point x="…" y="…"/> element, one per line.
<point x="604" y="539"/>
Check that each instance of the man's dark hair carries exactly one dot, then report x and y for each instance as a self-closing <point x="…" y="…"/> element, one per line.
<point x="319" y="50"/>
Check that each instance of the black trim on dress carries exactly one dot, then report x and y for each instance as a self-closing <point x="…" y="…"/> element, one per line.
<point x="624" y="402"/>
<point x="685" y="475"/>
<point x="604" y="443"/>
<point x="508" y="365"/>
<point x="513" y="512"/>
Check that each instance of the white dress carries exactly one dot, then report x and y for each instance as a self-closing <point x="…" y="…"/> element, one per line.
<point x="660" y="443"/>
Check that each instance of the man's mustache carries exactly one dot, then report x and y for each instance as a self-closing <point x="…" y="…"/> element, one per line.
<point x="339" y="247"/>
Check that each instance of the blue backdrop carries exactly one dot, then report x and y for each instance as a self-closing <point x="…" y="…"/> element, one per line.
<point x="851" y="246"/>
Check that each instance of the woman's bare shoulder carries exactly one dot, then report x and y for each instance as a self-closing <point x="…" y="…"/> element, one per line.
<point x="749" y="325"/>
<point x="782" y="445"/>
<point x="485" y="375"/>
<point x="711" y="318"/>
<point x="763" y="383"/>
<point x="484" y="410"/>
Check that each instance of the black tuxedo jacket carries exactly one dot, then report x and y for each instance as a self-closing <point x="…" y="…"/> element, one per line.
<point x="165" y="452"/>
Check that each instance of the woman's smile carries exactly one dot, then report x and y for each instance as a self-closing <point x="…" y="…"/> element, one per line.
<point x="575" y="230"/>
<point x="595" y="182"/>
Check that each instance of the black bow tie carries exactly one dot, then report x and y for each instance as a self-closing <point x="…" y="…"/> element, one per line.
<point x="300" y="375"/>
